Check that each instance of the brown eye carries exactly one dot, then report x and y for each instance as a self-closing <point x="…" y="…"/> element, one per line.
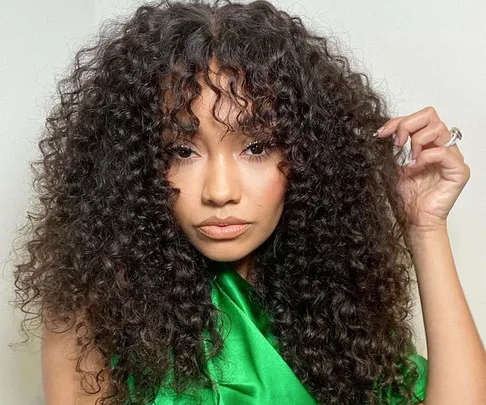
<point x="257" y="148"/>
<point x="182" y="152"/>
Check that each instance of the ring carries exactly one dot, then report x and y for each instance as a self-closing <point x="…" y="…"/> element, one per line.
<point x="456" y="135"/>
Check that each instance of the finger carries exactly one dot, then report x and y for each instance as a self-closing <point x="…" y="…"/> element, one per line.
<point x="449" y="162"/>
<point x="405" y="126"/>
<point x="388" y="127"/>
<point x="435" y="134"/>
<point x="415" y="122"/>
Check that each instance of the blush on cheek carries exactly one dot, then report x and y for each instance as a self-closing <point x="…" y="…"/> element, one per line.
<point x="271" y="188"/>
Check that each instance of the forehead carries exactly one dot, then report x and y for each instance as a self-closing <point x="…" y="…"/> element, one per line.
<point x="208" y="128"/>
<point x="198" y="111"/>
<point x="202" y="124"/>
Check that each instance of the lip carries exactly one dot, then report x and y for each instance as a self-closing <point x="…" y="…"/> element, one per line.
<point x="223" y="221"/>
<point x="224" y="232"/>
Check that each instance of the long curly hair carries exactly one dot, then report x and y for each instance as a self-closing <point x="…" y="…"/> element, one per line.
<point x="103" y="242"/>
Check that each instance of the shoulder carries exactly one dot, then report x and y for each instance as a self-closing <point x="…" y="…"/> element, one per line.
<point x="61" y="349"/>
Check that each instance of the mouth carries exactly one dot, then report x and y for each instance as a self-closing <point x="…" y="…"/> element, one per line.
<point x="224" y="231"/>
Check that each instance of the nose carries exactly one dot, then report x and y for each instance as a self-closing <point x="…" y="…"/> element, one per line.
<point x="222" y="180"/>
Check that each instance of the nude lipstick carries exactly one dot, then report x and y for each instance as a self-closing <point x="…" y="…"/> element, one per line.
<point x="223" y="228"/>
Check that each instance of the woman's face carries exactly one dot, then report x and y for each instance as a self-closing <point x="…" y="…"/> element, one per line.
<point x="223" y="178"/>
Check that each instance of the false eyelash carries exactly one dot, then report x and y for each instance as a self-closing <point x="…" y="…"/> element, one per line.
<point x="268" y="147"/>
<point x="251" y="144"/>
<point x="267" y="144"/>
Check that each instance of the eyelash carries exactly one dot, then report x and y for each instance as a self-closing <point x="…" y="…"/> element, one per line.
<point x="268" y="146"/>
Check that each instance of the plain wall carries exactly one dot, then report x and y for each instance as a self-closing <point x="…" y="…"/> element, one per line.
<point x="418" y="53"/>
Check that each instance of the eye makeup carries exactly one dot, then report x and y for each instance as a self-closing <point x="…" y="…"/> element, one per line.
<point x="263" y="146"/>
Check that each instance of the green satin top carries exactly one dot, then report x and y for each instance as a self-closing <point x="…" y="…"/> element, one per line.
<point x="250" y="370"/>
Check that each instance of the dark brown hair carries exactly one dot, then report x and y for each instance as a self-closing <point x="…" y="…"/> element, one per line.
<point x="335" y="274"/>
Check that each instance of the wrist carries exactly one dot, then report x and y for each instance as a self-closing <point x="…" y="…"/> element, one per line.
<point x="420" y="238"/>
<point x="423" y="231"/>
<point x="427" y="241"/>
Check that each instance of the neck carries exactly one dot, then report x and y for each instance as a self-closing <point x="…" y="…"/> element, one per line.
<point x="244" y="267"/>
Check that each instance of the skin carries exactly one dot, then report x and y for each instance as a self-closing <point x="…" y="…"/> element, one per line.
<point x="224" y="177"/>
<point x="456" y="355"/>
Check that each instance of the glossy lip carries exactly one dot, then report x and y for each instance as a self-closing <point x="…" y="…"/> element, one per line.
<point x="214" y="220"/>
<point x="223" y="232"/>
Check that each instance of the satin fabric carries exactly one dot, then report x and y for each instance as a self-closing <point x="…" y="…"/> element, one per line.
<point x="250" y="370"/>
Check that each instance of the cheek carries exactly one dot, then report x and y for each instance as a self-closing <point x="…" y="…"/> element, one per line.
<point x="180" y="202"/>
<point x="174" y="177"/>
<point x="269" y="188"/>
<point x="182" y="178"/>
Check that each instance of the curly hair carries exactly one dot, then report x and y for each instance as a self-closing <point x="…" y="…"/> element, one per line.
<point x="335" y="274"/>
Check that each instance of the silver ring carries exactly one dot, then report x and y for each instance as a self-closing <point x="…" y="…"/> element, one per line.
<point x="456" y="135"/>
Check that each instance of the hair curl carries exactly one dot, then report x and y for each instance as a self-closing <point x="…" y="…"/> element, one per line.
<point x="335" y="274"/>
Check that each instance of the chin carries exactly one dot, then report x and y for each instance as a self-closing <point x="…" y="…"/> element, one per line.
<point x="224" y="255"/>
<point x="225" y="251"/>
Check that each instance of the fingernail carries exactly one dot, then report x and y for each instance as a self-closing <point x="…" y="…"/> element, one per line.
<point x="379" y="131"/>
<point x="412" y="162"/>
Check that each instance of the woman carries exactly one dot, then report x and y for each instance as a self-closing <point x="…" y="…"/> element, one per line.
<point x="187" y="115"/>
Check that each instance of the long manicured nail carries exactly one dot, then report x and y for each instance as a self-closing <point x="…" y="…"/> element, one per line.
<point x="379" y="131"/>
<point x="383" y="131"/>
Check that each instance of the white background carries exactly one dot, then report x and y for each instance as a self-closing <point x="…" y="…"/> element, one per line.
<point x="418" y="53"/>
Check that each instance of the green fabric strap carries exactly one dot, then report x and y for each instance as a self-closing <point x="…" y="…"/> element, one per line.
<point x="250" y="370"/>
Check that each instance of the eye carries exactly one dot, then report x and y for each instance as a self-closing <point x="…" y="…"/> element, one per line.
<point x="183" y="152"/>
<point x="259" y="151"/>
<point x="257" y="147"/>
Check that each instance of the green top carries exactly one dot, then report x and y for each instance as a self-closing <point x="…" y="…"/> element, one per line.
<point x="249" y="369"/>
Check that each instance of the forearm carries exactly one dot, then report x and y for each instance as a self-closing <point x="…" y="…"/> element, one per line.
<point x="456" y="356"/>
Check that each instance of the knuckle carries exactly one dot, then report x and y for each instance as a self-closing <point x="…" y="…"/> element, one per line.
<point x="441" y="126"/>
<point x="436" y="127"/>
<point x="401" y="125"/>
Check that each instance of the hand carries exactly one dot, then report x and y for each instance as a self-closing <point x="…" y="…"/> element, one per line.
<point x="431" y="186"/>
